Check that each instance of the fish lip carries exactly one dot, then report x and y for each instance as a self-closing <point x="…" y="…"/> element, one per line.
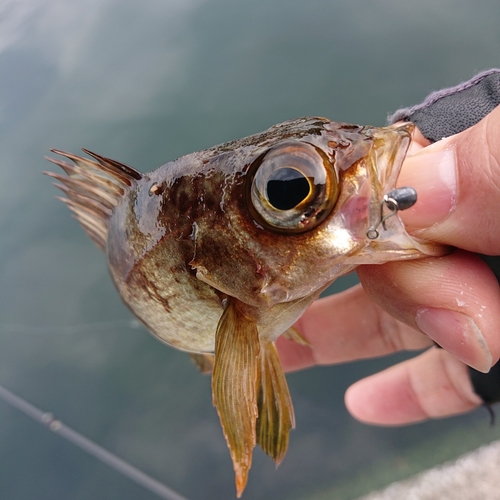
<point x="384" y="163"/>
<point x="362" y="211"/>
<point x="391" y="146"/>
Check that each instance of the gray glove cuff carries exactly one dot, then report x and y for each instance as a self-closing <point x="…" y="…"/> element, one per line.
<point x="449" y="111"/>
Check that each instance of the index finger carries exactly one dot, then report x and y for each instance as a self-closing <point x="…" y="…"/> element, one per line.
<point x="344" y="327"/>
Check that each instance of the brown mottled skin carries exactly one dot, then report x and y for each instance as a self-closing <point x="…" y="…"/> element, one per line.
<point x="175" y="252"/>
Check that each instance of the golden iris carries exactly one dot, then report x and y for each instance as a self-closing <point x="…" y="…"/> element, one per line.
<point x="293" y="188"/>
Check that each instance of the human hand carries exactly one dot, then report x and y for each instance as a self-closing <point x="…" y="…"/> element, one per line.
<point x="452" y="300"/>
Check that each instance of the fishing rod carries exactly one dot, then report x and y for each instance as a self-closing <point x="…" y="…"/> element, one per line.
<point x="49" y="420"/>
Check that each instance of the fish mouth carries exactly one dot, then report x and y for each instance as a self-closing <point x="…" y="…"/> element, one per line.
<point x="385" y="235"/>
<point x="389" y="148"/>
<point x="390" y="145"/>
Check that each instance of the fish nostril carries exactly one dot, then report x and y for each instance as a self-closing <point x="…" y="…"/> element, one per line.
<point x="155" y="189"/>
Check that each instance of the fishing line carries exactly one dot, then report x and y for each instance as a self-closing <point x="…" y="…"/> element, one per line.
<point x="85" y="444"/>
<point x="70" y="330"/>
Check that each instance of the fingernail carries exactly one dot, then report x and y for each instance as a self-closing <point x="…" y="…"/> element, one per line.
<point x="433" y="174"/>
<point x="458" y="334"/>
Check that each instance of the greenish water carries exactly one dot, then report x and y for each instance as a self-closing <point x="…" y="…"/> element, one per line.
<point x="144" y="83"/>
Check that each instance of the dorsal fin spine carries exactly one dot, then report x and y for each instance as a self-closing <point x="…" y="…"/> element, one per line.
<point x="93" y="189"/>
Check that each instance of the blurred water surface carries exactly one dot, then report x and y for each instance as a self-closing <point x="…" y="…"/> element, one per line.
<point x="145" y="82"/>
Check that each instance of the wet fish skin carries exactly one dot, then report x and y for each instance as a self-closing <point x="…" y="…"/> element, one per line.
<point x="203" y="260"/>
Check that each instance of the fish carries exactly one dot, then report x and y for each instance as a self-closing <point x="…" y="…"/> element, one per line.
<point x="219" y="252"/>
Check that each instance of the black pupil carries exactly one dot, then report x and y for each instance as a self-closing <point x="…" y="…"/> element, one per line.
<point x="286" y="188"/>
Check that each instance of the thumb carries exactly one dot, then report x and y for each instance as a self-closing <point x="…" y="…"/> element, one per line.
<point x="458" y="184"/>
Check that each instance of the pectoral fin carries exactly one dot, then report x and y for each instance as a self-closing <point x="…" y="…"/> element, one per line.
<point x="276" y="416"/>
<point x="204" y="361"/>
<point x="293" y="334"/>
<point x="234" y="386"/>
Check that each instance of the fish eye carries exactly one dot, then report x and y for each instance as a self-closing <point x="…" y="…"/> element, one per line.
<point x="293" y="188"/>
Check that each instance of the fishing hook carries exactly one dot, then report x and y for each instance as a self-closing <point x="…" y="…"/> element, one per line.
<point x="398" y="199"/>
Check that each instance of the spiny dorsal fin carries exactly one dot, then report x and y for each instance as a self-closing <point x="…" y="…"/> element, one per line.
<point x="276" y="416"/>
<point x="116" y="166"/>
<point x="234" y="386"/>
<point x="93" y="189"/>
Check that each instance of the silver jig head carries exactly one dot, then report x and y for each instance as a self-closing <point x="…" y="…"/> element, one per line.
<point x="395" y="200"/>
